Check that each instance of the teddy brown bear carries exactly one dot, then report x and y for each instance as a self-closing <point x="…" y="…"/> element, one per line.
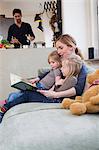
<point x="89" y="101"/>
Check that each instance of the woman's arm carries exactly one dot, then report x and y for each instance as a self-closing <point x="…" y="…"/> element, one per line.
<point x="79" y="87"/>
<point x="67" y="93"/>
<point x="52" y="94"/>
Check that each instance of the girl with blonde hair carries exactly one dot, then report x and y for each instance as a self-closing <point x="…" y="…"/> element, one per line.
<point x="70" y="70"/>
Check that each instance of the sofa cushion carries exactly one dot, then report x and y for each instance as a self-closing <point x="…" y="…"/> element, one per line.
<point x="42" y="126"/>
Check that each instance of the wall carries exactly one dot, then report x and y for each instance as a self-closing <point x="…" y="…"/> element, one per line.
<point x="94" y="27"/>
<point x="80" y="20"/>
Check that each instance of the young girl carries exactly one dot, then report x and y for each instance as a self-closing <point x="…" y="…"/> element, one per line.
<point x="53" y="75"/>
<point x="70" y="70"/>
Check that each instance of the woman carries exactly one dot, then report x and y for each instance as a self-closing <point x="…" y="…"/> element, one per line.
<point x="66" y="47"/>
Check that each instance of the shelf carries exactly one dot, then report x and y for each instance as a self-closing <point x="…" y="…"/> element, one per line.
<point x="92" y="60"/>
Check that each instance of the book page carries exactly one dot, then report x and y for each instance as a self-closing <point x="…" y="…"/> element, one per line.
<point x="15" y="78"/>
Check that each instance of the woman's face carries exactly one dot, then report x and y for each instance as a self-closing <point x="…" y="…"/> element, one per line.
<point x="63" y="50"/>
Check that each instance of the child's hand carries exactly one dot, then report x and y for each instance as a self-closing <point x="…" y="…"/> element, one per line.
<point x="35" y="80"/>
<point x="59" y="82"/>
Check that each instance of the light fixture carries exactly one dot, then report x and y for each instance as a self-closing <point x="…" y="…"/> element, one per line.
<point x="40" y="26"/>
<point x="37" y="18"/>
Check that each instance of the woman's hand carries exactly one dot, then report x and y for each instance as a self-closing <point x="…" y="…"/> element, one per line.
<point x="48" y="93"/>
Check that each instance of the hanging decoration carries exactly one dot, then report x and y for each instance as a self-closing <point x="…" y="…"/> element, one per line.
<point x="52" y="12"/>
<point x="50" y="7"/>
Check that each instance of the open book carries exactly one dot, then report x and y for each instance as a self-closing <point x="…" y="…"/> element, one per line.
<point x="20" y="83"/>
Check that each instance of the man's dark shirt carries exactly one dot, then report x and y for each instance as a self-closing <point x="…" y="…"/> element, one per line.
<point x="20" y="33"/>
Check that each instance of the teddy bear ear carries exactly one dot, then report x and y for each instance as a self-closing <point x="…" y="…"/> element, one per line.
<point x="93" y="76"/>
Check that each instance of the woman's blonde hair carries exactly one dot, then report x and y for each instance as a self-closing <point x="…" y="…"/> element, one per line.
<point x="74" y="63"/>
<point x="55" y="56"/>
<point x="69" y="41"/>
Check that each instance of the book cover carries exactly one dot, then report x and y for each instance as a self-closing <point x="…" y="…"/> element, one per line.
<point x="20" y="83"/>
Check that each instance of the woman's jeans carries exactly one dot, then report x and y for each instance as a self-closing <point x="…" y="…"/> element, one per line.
<point x="28" y="96"/>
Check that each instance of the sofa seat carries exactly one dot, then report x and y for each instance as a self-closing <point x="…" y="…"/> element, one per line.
<point x="43" y="126"/>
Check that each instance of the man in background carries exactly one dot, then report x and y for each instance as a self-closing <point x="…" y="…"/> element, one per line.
<point x="20" y="33"/>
